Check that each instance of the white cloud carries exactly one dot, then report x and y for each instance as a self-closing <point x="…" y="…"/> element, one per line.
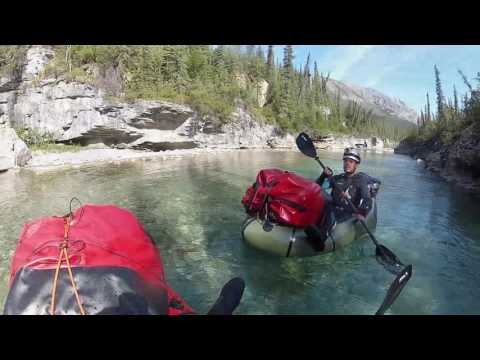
<point x="342" y="59"/>
<point x="400" y="71"/>
<point x="369" y="65"/>
<point x="394" y="60"/>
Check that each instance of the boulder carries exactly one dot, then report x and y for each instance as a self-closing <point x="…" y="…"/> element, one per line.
<point x="13" y="151"/>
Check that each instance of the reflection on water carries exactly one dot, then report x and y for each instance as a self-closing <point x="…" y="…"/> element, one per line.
<point x="192" y="208"/>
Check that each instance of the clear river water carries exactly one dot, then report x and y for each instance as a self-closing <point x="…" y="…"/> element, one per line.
<point x="191" y="206"/>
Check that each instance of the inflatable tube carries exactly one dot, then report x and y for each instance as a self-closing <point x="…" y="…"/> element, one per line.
<point x="293" y="242"/>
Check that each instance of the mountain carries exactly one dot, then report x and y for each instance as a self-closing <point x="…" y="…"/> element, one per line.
<point x="381" y="104"/>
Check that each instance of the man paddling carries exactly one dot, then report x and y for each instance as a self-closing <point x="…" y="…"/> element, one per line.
<point x="350" y="185"/>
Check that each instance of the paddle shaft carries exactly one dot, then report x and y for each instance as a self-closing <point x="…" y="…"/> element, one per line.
<point x="351" y="204"/>
<point x="305" y="144"/>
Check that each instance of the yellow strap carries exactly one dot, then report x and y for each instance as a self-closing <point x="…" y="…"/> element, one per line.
<point x="64" y="251"/>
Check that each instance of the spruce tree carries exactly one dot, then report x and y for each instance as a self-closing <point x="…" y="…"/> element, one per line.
<point x="316" y="85"/>
<point x="306" y="72"/>
<point x="260" y="54"/>
<point x="465" y="102"/>
<point x="287" y="81"/>
<point x="197" y="63"/>
<point x="324" y="83"/>
<point x="175" y="68"/>
<point x="270" y="62"/>
<point x="288" y="60"/>
<point x="428" y="114"/>
<point x="455" y="99"/>
<point x="219" y="56"/>
<point x="465" y="80"/>
<point x="250" y="50"/>
<point x="303" y="82"/>
<point x="440" y="98"/>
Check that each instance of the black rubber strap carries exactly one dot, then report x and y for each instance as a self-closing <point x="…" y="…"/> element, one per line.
<point x="246" y="222"/>
<point x="292" y="240"/>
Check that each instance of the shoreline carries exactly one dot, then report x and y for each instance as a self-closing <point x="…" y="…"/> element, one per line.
<point x="91" y="156"/>
<point x="45" y="160"/>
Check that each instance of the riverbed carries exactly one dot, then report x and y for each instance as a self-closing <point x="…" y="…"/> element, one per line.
<point x="191" y="205"/>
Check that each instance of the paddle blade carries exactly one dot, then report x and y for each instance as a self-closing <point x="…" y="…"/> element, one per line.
<point x="388" y="259"/>
<point x="305" y="145"/>
<point x="395" y="289"/>
<point x="229" y="298"/>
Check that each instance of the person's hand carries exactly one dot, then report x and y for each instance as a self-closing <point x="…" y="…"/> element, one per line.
<point x="360" y="217"/>
<point x="344" y="195"/>
<point x="328" y="172"/>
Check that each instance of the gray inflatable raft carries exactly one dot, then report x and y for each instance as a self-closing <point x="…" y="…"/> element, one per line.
<point x="293" y="242"/>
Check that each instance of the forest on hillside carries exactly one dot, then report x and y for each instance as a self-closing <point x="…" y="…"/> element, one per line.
<point x="212" y="79"/>
<point x="452" y="116"/>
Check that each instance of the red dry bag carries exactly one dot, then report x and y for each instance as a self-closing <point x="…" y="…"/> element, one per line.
<point x="286" y="198"/>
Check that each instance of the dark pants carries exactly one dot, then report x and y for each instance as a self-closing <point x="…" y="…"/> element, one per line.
<point x="318" y="233"/>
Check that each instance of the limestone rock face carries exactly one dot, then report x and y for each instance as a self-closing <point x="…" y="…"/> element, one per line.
<point x="80" y="112"/>
<point x="243" y="130"/>
<point x="13" y="151"/>
<point x="36" y="59"/>
<point x="262" y="93"/>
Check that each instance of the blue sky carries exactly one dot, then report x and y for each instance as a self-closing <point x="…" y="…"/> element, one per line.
<point x="400" y="71"/>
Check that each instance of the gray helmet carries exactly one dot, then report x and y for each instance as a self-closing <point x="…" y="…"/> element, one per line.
<point x="352" y="153"/>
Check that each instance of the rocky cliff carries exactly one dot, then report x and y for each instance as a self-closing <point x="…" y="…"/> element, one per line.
<point x="74" y="112"/>
<point x="80" y="113"/>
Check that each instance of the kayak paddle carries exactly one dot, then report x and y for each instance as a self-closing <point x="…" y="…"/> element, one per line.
<point x="395" y="289"/>
<point x="384" y="255"/>
<point x="229" y="297"/>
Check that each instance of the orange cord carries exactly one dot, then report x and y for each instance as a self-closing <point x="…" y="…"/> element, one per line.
<point x="64" y="251"/>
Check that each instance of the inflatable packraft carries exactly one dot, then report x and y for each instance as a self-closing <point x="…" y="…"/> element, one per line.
<point x="280" y="229"/>
<point x="98" y="260"/>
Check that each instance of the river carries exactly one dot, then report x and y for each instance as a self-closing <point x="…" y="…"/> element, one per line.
<point x="192" y="208"/>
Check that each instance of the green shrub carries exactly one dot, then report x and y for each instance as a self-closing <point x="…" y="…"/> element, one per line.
<point x="34" y="137"/>
<point x="84" y="54"/>
<point x="37" y="141"/>
<point x="56" y="148"/>
<point x="78" y="74"/>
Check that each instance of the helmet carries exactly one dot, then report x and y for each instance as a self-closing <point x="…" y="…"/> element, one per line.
<point x="352" y="153"/>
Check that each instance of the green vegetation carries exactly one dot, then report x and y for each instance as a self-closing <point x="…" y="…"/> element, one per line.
<point x="213" y="79"/>
<point x="11" y="58"/>
<point x="57" y="148"/>
<point x="451" y="117"/>
<point x="34" y="137"/>
<point x="37" y="141"/>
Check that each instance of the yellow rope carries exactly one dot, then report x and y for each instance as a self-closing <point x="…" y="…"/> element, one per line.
<point x="64" y="251"/>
